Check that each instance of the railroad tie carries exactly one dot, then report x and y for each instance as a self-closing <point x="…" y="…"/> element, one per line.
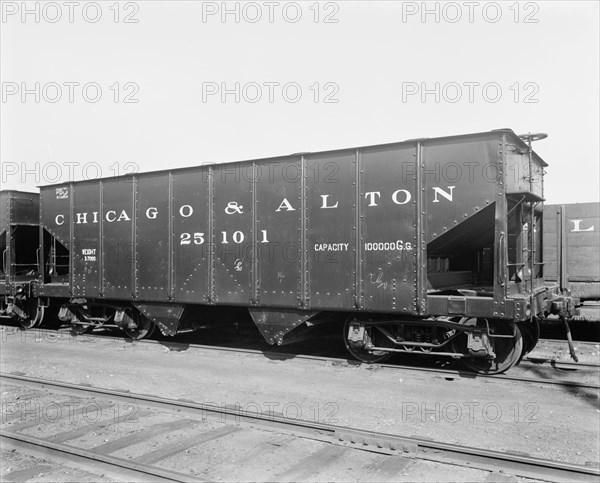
<point x="27" y="474"/>
<point x="173" y="449"/>
<point x="389" y="467"/>
<point x="88" y="428"/>
<point x="65" y="412"/>
<point x="313" y="464"/>
<point x="142" y="435"/>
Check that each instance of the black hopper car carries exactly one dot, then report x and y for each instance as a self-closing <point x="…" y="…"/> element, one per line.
<point x="20" y="264"/>
<point x="428" y="246"/>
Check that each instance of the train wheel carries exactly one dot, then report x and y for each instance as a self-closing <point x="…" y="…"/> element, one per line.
<point x="35" y="314"/>
<point x="359" y="352"/>
<point x="144" y="327"/>
<point x="508" y="350"/>
<point x="531" y="335"/>
<point x="79" y="329"/>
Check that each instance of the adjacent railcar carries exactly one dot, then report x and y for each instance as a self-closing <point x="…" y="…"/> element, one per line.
<point x="421" y="246"/>
<point x="19" y="267"/>
<point x="572" y="254"/>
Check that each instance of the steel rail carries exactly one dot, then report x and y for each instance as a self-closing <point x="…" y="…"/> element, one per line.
<point x="561" y="341"/>
<point x="61" y="330"/>
<point x="461" y="373"/>
<point x="559" y="364"/>
<point x="70" y="455"/>
<point x="488" y="460"/>
<point x="503" y="377"/>
<point x="66" y="330"/>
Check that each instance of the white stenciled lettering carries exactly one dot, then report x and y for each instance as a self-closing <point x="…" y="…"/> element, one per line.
<point x="285" y="204"/>
<point x="331" y="247"/>
<point x="386" y="246"/>
<point x="186" y="238"/>
<point x="186" y="211"/>
<point x="232" y="207"/>
<point x="111" y="216"/>
<point x="445" y="194"/>
<point x="324" y="197"/>
<point x="577" y="227"/>
<point x="406" y="194"/>
<point x="371" y="196"/>
<point x="152" y="213"/>
<point x="124" y="216"/>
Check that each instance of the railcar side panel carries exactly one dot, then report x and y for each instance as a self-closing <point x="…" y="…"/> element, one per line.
<point x="117" y="236"/>
<point x="233" y="234"/>
<point x="583" y="242"/>
<point x="85" y="248"/>
<point x="55" y="212"/>
<point x="279" y="210"/>
<point x="55" y="236"/>
<point x="25" y="208"/>
<point x="388" y="233"/>
<point x="18" y="208"/>
<point x="19" y="240"/>
<point x="4" y="210"/>
<point x="572" y="248"/>
<point x="191" y="237"/>
<point x="521" y="175"/>
<point x="331" y="229"/>
<point x="460" y="180"/>
<point x="152" y="234"/>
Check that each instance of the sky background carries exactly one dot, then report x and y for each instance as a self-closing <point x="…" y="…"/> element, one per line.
<point x="361" y="68"/>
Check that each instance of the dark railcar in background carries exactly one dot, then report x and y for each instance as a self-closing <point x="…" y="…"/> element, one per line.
<point x="19" y="266"/>
<point x="421" y="246"/>
<point x="572" y="253"/>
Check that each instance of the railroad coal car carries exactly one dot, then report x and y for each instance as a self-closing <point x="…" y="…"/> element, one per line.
<point x="419" y="247"/>
<point x="19" y="267"/>
<point x="572" y="254"/>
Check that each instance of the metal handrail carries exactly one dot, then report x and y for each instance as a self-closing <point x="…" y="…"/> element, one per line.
<point x="500" y="258"/>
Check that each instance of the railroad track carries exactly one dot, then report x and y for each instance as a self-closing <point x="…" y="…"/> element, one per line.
<point x="562" y="341"/>
<point x="558" y="367"/>
<point x="218" y="425"/>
